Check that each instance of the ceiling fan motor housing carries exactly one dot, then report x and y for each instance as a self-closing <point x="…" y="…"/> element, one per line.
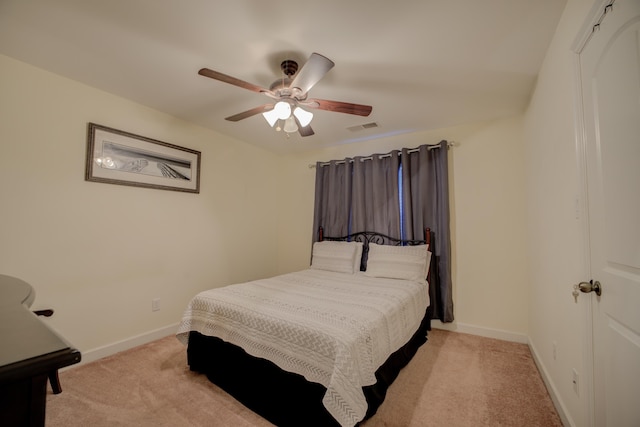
<point x="280" y="84"/>
<point x="289" y="67"/>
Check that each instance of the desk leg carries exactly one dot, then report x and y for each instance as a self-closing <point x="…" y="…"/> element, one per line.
<point x="38" y="400"/>
<point x="54" y="379"/>
<point x="22" y="402"/>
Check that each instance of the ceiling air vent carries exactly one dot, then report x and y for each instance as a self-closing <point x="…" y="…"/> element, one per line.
<point x="362" y="127"/>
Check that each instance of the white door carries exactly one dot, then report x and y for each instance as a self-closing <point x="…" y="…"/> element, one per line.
<point x="610" y="66"/>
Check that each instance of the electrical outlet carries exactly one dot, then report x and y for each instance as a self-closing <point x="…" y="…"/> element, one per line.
<point x="555" y="350"/>
<point x="155" y="304"/>
<point x="576" y="382"/>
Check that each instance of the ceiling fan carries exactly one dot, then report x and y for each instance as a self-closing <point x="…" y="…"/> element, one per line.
<point x="289" y="95"/>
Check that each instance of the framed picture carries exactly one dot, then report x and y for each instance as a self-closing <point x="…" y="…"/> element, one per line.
<point x="118" y="157"/>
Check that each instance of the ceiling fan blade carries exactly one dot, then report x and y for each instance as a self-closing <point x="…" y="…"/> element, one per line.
<point x="303" y="131"/>
<point x="249" y="113"/>
<point x="306" y="131"/>
<point x="311" y="72"/>
<point x="232" y="80"/>
<point x="338" y="107"/>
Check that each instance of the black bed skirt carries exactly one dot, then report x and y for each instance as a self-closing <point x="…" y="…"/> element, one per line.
<point x="284" y="398"/>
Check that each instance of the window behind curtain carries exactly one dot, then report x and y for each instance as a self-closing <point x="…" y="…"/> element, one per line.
<point x="403" y="235"/>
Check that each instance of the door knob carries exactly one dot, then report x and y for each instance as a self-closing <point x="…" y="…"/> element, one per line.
<point x="590" y="286"/>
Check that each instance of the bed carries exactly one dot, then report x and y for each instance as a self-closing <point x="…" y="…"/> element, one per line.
<point x="317" y="347"/>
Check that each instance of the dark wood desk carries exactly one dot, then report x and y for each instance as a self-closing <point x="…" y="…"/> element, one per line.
<point x="30" y="352"/>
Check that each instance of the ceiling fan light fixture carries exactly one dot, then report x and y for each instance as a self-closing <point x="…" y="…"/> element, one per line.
<point x="283" y="110"/>
<point x="303" y="116"/>
<point x="271" y="117"/>
<point x="290" y="125"/>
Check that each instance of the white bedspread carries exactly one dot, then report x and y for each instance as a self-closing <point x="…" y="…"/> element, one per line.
<point x="334" y="329"/>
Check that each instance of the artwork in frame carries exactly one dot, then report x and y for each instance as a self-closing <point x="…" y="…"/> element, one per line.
<point x="118" y="157"/>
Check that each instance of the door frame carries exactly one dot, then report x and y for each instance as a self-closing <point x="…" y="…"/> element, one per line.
<point x="589" y="27"/>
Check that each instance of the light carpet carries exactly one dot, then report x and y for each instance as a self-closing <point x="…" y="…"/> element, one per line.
<point x="454" y="380"/>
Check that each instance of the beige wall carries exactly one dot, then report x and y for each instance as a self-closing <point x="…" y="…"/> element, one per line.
<point x="487" y="218"/>
<point x="99" y="253"/>
<point x="554" y="232"/>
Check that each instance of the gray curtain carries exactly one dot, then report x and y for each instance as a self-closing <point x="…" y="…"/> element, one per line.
<point x="425" y="186"/>
<point x="375" y="195"/>
<point x="361" y="194"/>
<point x="333" y="198"/>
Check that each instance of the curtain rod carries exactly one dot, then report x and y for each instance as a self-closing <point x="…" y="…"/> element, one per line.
<point x="382" y="156"/>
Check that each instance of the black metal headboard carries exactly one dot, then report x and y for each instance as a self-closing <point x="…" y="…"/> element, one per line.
<point x="367" y="237"/>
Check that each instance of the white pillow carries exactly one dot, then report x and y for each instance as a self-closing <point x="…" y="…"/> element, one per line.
<point x="358" y="260"/>
<point x="398" y="262"/>
<point x="429" y="254"/>
<point x="342" y="257"/>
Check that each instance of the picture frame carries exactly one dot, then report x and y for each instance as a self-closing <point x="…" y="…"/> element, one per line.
<point x="118" y="157"/>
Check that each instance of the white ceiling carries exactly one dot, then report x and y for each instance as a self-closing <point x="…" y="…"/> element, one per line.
<point x="422" y="64"/>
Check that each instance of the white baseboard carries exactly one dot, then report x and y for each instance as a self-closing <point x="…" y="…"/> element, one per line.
<point x="481" y="331"/>
<point x="553" y="392"/>
<point x="116" y="347"/>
